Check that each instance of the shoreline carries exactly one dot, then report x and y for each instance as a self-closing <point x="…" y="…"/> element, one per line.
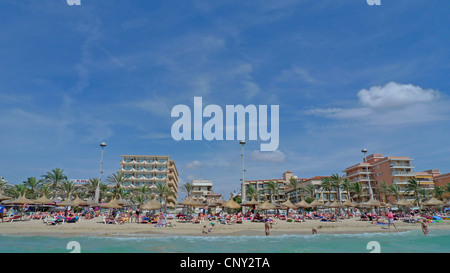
<point x="95" y="228"/>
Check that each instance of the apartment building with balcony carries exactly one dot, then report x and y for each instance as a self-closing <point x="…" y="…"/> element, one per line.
<point x="442" y="180"/>
<point x="200" y="189"/>
<point x="150" y="170"/>
<point x="262" y="187"/>
<point x="379" y="169"/>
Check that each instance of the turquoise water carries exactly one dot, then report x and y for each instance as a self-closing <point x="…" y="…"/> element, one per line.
<point x="437" y="241"/>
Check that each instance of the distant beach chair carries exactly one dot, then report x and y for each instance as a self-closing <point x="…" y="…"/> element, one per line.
<point x="11" y="218"/>
<point x="53" y="221"/>
<point x="109" y="221"/>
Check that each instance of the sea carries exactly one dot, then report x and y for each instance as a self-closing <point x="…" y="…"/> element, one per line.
<point x="437" y="241"/>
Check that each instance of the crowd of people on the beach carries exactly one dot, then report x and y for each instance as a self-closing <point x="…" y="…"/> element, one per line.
<point x="209" y="219"/>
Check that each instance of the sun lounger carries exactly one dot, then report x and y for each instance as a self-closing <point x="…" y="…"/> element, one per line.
<point x="53" y="220"/>
<point x="12" y="218"/>
<point x="109" y="221"/>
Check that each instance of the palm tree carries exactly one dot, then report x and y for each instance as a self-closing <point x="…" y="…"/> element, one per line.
<point x="346" y="185"/>
<point x="164" y="192"/>
<point x="447" y="188"/>
<point x="54" y="177"/>
<point x="66" y="188"/>
<point x="337" y="182"/>
<point x="327" y="184"/>
<point x="395" y="191"/>
<point x="45" y="190"/>
<point x="439" y="192"/>
<point x="33" y="184"/>
<point x="414" y="188"/>
<point x="357" y="189"/>
<point x="140" y="199"/>
<point x="16" y="191"/>
<point x="90" y="187"/>
<point x="310" y="190"/>
<point x="272" y="188"/>
<point x="384" y="189"/>
<point x="117" y="178"/>
<point x="294" y="183"/>
<point x="144" y="190"/>
<point x="250" y="192"/>
<point x="187" y="188"/>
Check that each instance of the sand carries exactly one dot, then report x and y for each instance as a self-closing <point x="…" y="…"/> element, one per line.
<point x="96" y="227"/>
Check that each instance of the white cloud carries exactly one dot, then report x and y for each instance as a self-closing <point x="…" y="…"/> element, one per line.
<point x="194" y="165"/>
<point x="275" y="156"/>
<point x="392" y="104"/>
<point x="395" y="95"/>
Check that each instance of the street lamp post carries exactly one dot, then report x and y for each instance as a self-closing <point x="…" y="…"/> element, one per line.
<point x="242" y="142"/>
<point x="97" y="190"/>
<point x="364" y="151"/>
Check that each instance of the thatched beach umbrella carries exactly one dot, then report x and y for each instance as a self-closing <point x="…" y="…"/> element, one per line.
<point x="253" y="202"/>
<point x="266" y="206"/>
<point x="403" y="202"/>
<point x="303" y="204"/>
<point x="92" y="203"/>
<point x="111" y="205"/>
<point x="433" y="202"/>
<point x="316" y="203"/>
<point x="231" y="204"/>
<point x="4" y="197"/>
<point x="372" y="203"/>
<point x="79" y="202"/>
<point x="349" y="203"/>
<point x="21" y="201"/>
<point x="44" y="200"/>
<point x="66" y="203"/>
<point x="447" y="204"/>
<point x="153" y="204"/>
<point x="335" y="204"/>
<point x="288" y="204"/>
<point x="189" y="201"/>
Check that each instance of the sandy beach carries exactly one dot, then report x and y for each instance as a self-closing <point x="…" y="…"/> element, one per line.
<point x="95" y="227"/>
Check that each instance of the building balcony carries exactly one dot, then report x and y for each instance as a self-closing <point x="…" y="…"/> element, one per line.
<point x="402" y="174"/>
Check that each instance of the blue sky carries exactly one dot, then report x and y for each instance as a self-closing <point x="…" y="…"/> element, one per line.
<point x="345" y="75"/>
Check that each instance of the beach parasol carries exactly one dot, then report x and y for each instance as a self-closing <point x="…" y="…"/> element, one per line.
<point x="189" y="201"/>
<point x="349" y="203"/>
<point x="288" y="204"/>
<point x="303" y="204"/>
<point x="372" y="203"/>
<point x="316" y="203"/>
<point x="124" y="203"/>
<point x="253" y="202"/>
<point x="403" y="203"/>
<point x="433" y="202"/>
<point x="447" y="204"/>
<point x="44" y="200"/>
<point x="153" y="204"/>
<point x="66" y="203"/>
<point x="4" y="197"/>
<point x="111" y="205"/>
<point x="220" y="202"/>
<point x="231" y="204"/>
<point x="266" y="206"/>
<point x="21" y="201"/>
<point x="92" y="203"/>
<point x="79" y="202"/>
<point x="335" y="204"/>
